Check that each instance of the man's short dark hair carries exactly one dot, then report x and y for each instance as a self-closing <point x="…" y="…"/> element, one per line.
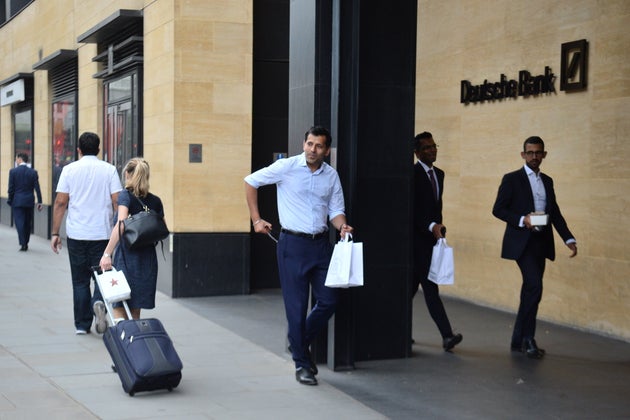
<point x="317" y="131"/>
<point x="533" y="140"/>
<point x="418" y="139"/>
<point x="89" y="144"/>
<point x="23" y="156"/>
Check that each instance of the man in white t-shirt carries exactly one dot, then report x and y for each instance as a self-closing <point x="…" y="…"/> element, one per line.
<point x="88" y="188"/>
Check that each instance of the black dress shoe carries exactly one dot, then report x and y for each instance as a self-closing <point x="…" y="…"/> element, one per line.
<point x="452" y="341"/>
<point x="310" y="359"/>
<point x="305" y="376"/>
<point x="530" y="348"/>
<point x="516" y="348"/>
<point x="24" y="248"/>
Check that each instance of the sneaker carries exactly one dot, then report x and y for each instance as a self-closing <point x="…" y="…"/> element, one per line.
<point x="80" y="332"/>
<point x="99" y="313"/>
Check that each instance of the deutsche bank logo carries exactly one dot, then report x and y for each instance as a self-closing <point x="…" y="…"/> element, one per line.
<point x="574" y="66"/>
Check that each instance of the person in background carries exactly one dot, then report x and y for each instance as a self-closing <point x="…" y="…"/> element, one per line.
<point x="428" y="228"/>
<point x="309" y="195"/>
<point x="23" y="180"/>
<point x="88" y="189"/>
<point x="521" y="194"/>
<point x="139" y="264"/>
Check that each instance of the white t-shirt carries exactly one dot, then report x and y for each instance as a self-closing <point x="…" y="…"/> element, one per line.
<point x="90" y="183"/>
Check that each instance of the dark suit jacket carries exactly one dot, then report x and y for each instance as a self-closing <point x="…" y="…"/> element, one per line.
<point x="514" y="200"/>
<point x="426" y="208"/>
<point x="22" y="182"/>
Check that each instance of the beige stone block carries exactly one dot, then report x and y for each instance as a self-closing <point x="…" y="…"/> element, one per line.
<point x="230" y="161"/>
<point x="610" y="59"/>
<point x="233" y="99"/>
<point x="159" y="100"/>
<point x="218" y="10"/>
<point x="194" y="35"/>
<point x="231" y="38"/>
<point x="194" y="97"/>
<point x="215" y="128"/>
<point x="609" y="222"/>
<point x="163" y="71"/>
<point x="158" y="131"/>
<point x="610" y="128"/>
<point x="213" y="67"/>
<point x="157" y="14"/>
<point x="160" y="41"/>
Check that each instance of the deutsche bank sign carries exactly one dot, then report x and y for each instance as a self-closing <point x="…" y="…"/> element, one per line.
<point x="525" y="85"/>
<point x="573" y="78"/>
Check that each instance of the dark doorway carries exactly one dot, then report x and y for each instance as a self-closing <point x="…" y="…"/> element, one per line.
<point x="269" y="124"/>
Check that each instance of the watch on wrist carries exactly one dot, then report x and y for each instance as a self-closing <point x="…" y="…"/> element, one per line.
<point x="106" y="255"/>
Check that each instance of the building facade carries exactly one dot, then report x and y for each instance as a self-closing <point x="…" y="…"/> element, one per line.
<point x="208" y="90"/>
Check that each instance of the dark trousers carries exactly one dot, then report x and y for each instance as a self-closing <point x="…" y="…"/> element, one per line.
<point x="431" y="291"/>
<point x="84" y="255"/>
<point x="23" y="217"/>
<point x="303" y="264"/>
<point x="532" y="266"/>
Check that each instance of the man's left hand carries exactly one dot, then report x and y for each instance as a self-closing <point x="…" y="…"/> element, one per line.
<point x="572" y="247"/>
<point x="345" y="228"/>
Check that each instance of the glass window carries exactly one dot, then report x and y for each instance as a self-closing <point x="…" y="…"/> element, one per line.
<point x="64" y="136"/>
<point x="122" y="126"/>
<point x="23" y="132"/>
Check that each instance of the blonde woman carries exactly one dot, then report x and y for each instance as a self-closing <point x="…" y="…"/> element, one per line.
<point x="139" y="265"/>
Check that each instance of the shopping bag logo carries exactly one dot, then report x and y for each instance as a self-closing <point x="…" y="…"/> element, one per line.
<point x="114" y="286"/>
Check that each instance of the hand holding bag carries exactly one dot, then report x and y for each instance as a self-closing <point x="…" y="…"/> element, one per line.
<point x="442" y="269"/>
<point x="147" y="227"/>
<point x="346" y="265"/>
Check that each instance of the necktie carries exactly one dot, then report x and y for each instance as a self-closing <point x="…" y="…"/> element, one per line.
<point x="433" y="183"/>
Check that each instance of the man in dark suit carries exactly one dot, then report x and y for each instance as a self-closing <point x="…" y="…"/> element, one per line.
<point x="523" y="196"/>
<point x="22" y="182"/>
<point x="428" y="228"/>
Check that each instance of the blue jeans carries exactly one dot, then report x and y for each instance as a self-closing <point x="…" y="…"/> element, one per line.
<point x="303" y="264"/>
<point x="83" y="256"/>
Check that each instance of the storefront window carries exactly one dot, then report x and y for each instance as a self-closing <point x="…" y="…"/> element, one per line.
<point x="121" y="141"/>
<point x="23" y="135"/>
<point x="64" y="136"/>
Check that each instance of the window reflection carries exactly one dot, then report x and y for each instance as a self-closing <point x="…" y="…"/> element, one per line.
<point x="64" y="137"/>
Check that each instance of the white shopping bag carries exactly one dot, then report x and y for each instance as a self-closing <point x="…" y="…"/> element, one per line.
<point x="113" y="285"/>
<point x="442" y="269"/>
<point x="346" y="265"/>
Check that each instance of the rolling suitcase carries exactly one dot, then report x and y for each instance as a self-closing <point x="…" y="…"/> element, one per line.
<point x="142" y="352"/>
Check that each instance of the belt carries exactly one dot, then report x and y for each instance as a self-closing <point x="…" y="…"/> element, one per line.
<point x="313" y="236"/>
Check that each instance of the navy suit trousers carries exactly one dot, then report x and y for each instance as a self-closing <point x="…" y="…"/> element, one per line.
<point x="303" y="264"/>
<point x="23" y="217"/>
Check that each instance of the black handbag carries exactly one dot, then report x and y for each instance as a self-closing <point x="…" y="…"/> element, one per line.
<point x="145" y="228"/>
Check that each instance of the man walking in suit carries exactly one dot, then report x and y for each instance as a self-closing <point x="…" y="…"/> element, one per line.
<point x="428" y="228"/>
<point x="523" y="195"/>
<point x="22" y="182"/>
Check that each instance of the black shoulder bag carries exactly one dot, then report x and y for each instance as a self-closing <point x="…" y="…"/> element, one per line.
<point x="145" y="228"/>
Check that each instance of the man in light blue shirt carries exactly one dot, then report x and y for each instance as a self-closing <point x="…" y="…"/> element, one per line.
<point x="309" y="196"/>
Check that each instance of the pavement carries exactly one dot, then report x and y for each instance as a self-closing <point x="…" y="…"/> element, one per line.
<point x="236" y="366"/>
